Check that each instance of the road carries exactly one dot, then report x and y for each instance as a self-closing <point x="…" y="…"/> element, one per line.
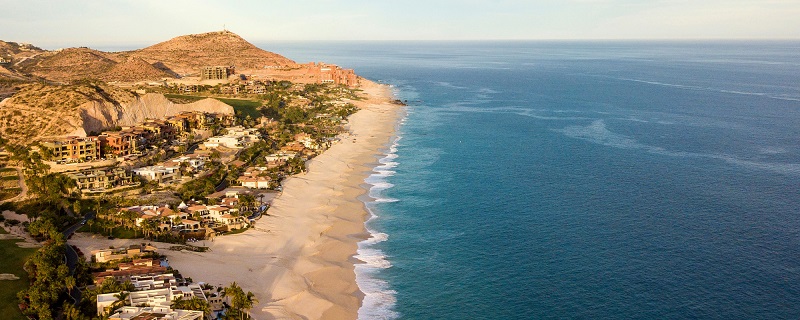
<point x="72" y="256"/>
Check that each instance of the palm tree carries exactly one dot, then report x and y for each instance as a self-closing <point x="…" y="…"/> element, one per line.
<point x="122" y="300"/>
<point x="240" y="301"/>
<point x="69" y="282"/>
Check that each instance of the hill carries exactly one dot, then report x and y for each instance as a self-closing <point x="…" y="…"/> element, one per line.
<point x="68" y="64"/>
<point x="40" y="110"/>
<point x="134" y="70"/>
<point x="187" y="54"/>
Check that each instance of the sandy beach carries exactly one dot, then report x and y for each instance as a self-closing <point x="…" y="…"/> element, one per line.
<point x="299" y="260"/>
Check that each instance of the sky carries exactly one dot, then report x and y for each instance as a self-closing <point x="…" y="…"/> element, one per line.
<point x="103" y="23"/>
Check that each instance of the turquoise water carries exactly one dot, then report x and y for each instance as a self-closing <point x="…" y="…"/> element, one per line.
<point x="583" y="180"/>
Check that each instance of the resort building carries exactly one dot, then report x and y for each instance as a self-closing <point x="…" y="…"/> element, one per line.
<point x="216" y="73"/>
<point x="134" y="251"/>
<point x="193" y="163"/>
<point x="160" y="174"/>
<point x="118" y="143"/>
<point x="73" y="149"/>
<point x="158" y="298"/>
<point x="255" y="182"/>
<point x="155" y="313"/>
<point x="101" y="179"/>
<point x="282" y="155"/>
<point x="235" y="137"/>
<point x="129" y="271"/>
<point x="328" y="73"/>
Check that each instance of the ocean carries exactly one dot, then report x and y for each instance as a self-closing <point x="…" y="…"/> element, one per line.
<point x="592" y="180"/>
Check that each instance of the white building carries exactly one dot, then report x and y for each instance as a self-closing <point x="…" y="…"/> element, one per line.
<point x="155" y="313"/>
<point x="160" y="298"/>
<point x="158" y="173"/>
<point x="283" y="155"/>
<point x="236" y="137"/>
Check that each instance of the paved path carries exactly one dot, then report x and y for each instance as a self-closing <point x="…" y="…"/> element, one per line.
<point x="22" y="186"/>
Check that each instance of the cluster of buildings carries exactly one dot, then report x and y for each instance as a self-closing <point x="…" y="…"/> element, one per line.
<point x="193" y="217"/>
<point x="235" y="138"/>
<point x="130" y="140"/>
<point x="252" y="87"/>
<point x="256" y="178"/>
<point x="154" y="289"/>
<point x="172" y="169"/>
<point x="328" y="73"/>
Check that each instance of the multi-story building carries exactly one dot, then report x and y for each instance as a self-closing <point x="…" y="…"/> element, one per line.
<point x="328" y="73"/>
<point x="118" y="143"/>
<point x="73" y="149"/>
<point x="216" y="72"/>
<point x="100" y="179"/>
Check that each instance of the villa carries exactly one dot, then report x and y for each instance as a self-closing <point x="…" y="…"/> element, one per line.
<point x="155" y="313"/>
<point x="134" y="251"/>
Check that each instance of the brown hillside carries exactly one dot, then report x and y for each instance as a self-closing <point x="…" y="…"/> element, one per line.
<point x="69" y="64"/>
<point x="17" y="51"/>
<point x="187" y="54"/>
<point x="133" y="70"/>
<point x="38" y="110"/>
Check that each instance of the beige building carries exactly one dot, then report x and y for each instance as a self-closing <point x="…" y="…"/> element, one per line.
<point x="215" y="73"/>
<point x="105" y="255"/>
<point x="73" y="149"/>
<point x="94" y="180"/>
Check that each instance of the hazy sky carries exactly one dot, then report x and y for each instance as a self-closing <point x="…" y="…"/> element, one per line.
<point x="94" y="23"/>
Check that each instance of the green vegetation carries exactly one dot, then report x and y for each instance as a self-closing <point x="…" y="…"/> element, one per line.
<point x="241" y="302"/>
<point x="243" y="107"/>
<point x="180" y="98"/>
<point x="192" y="304"/>
<point x="12" y="260"/>
<point x="237" y="231"/>
<point x="50" y="278"/>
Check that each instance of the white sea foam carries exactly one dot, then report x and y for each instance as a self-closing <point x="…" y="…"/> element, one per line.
<point x="379" y="298"/>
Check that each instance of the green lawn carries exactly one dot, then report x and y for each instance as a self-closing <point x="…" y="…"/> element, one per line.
<point x="12" y="258"/>
<point x="246" y="107"/>
<point x="7" y="170"/>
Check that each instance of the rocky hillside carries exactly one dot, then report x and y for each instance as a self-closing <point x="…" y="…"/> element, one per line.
<point x="180" y="55"/>
<point x="68" y="64"/>
<point x="187" y="54"/>
<point x="38" y="110"/>
<point x="135" y="69"/>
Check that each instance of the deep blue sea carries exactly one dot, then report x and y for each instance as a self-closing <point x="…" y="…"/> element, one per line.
<point x="589" y="180"/>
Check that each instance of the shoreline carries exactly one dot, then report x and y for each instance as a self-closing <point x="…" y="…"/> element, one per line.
<point x="300" y="260"/>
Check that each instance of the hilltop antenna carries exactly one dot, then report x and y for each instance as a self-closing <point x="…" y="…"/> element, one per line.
<point x="223" y="28"/>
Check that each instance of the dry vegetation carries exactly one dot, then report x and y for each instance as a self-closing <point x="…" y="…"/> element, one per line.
<point x="39" y="110"/>
<point x="189" y="53"/>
